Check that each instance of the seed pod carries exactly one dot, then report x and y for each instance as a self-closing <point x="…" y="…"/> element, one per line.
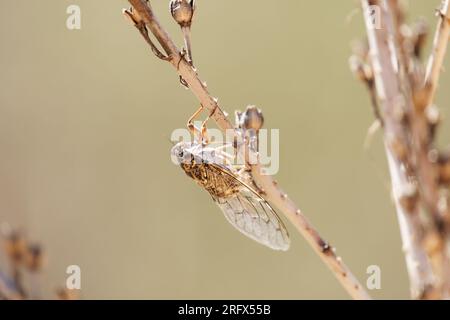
<point x="182" y="11"/>
<point x="251" y="118"/>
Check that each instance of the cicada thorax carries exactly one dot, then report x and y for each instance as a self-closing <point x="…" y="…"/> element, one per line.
<point x="212" y="178"/>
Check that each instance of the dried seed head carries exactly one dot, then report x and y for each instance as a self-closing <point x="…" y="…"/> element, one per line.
<point x="251" y="118"/>
<point x="182" y="11"/>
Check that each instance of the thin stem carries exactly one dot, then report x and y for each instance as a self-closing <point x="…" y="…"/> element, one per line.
<point x="272" y="191"/>
<point x="187" y="42"/>
<point x="436" y="60"/>
<point x="274" y="194"/>
<point x="183" y="67"/>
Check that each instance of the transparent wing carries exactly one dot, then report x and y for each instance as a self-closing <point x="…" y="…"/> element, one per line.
<point x="248" y="212"/>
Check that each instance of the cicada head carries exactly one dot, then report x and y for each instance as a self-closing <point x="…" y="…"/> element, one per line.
<point x="193" y="153"/>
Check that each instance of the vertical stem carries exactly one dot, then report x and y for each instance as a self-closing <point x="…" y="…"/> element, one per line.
<point x="394" y="103"/>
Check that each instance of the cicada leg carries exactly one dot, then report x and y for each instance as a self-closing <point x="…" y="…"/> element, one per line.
<point x="202" y="131"/>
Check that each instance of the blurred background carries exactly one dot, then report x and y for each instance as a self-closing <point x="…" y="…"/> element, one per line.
<point x="85" y="121"/>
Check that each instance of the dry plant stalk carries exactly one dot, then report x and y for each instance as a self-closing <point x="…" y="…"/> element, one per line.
<point x="404" y="102"/>
<point x="24" y="257"/>
<point x="144" y="19"/>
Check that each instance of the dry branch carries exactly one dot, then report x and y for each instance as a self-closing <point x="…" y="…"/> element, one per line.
<point x="271" y="190"/>
<point x="409" y="133"/>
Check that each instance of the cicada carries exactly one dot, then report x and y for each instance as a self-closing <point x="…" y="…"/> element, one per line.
<point x="232" y="191"/>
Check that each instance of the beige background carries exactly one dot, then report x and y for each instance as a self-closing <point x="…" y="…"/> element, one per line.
<point x="85" y="118"/>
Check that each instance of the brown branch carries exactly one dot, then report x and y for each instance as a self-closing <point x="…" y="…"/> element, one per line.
<point x="272" y="192"/>
<point x="183" y="67"/>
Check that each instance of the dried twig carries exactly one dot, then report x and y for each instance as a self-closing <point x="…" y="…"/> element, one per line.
<point x="436" y="59"/>
<point x="271" y="190"/>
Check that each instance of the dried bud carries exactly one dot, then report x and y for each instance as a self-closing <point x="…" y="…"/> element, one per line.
<point x="398" y="148"/>
<point x="34" y="258"/>
<point x="420" y="30"/>
<point x="433" y="117"/>
<point x="410" y="197"/>
<point x="360" y="69"/>
<point x="444" y="168"/>
<point x="251" y="118"/>
<point x="182" y="11"/>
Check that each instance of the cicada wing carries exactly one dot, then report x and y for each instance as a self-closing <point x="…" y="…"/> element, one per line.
<point x="253" y="216"/>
